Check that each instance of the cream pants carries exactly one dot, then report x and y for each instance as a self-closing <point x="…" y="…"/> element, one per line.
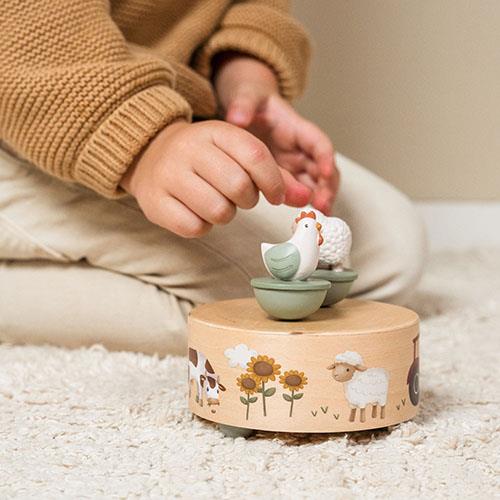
<point x="77" y="269"/>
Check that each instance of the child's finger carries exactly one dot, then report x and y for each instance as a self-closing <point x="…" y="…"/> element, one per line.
<point x="317" y="146"/>
<point x="324" y="195"/>
<point x="312" y="168"/>
<point x="254" y="157"/>
<point x="296" y="193"/>
<point x="203" y="199"/>
<point x="242" y="108"/>
<point x="173" y="215"/>
<point x="307" y="180"/>
<point x="298" y="162"/>
<point x="323" y="200"/>
<point x="225" y="175"/>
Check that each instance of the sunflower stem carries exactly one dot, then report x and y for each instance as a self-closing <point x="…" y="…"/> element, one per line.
<point x="248" y="404"/>
<point x="291" y="404"/>
<point x="264" y="399"/>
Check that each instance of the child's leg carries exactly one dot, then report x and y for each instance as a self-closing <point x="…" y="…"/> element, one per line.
<point x="389" y="242"/>
<point x="123" y="255"/>
<point x="75" y="304"/>
<point x="76" y="269"/>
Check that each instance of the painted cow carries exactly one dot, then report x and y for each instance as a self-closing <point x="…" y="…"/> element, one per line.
<point x="207" y="381"/>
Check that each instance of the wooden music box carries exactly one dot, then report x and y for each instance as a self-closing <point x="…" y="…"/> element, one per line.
<point x="350" y="367"/>
<point x="347" y="366"/>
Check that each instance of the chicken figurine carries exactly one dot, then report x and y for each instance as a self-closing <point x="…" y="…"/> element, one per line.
<point x="334" y="253"/>
<point x="305" y="277"/>
<point x="297" y="258"/>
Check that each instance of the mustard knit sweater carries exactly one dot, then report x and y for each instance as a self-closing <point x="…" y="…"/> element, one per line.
<point x="86" y="84"/>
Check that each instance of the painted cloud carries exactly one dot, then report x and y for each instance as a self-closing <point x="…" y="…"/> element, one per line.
<point x="239" y="355"/>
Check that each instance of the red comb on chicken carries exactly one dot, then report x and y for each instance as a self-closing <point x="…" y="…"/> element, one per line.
<point x="303" y="214"/>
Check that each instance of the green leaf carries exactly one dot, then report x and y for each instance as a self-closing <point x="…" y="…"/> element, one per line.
<point x="259" y="389"/>
<point x="252" y="400"/>
<point x="269" y="392"/>
<point x="298" y="396"/>
<point x="288" y="398"/>
<point x="243" y="400"/>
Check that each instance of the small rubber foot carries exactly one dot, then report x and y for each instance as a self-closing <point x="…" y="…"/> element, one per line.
<point x="235" y="432"/>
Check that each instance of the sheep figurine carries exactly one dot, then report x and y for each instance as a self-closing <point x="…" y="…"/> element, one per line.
<point x="362" y="386"/>
<point x="336" y="248"/>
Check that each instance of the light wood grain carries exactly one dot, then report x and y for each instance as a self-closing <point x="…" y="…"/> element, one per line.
<point x="382" y="334"/>
<point x="349" y="316"/>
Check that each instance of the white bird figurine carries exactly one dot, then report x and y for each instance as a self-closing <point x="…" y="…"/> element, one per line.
<point x="297" y="258"/>
<point x="334" y="253"/>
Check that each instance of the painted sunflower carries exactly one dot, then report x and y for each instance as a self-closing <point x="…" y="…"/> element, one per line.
<point x="247" y="383"/>
<point x="264" y="368"/>
<point x="293" y="380"/>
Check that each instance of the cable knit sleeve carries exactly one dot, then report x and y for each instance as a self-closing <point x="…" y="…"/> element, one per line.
<point x="74" y="100"/>
<point x="265" y="30"/>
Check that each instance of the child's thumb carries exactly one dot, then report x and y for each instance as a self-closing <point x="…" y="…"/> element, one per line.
<point x="242" y="109"/>
<point x="296" y="193"/>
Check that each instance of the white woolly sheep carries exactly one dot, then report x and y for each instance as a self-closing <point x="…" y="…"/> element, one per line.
<point x="362" y="386"/>
<point x="336" y="248"/>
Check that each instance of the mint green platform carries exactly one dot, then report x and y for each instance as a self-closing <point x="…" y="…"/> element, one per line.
<point x="290" y="300"/>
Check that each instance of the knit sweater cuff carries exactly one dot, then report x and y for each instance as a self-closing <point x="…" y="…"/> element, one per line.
<point x="113" y="147"/>
<point x="267" y="34"/>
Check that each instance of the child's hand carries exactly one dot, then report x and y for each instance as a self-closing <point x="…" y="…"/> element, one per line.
<point x="248" y="93"/>
<point x="192" y="176"/>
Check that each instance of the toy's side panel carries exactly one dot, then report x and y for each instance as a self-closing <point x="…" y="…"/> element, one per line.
<point x="295" y="382"/>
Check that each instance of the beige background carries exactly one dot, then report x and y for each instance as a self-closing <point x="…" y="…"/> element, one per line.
<point x="411" y="89"/>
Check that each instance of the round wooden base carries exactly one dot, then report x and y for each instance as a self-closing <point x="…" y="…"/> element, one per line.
<point x="350" y="367"/>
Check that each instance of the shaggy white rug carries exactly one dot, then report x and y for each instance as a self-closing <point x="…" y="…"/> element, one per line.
<point x="89" y="423"/>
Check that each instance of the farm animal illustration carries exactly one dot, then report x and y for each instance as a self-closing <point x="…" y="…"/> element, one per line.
<point x="207" y="381"/>
<point x="297" y="258"/>
<point x="334" y="253"/>
<point x="362" y="386"/>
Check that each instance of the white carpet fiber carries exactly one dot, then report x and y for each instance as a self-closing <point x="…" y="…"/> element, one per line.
<point x="89" y="423"/>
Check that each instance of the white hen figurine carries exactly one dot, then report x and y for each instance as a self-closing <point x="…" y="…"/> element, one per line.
<point x="297" y="258"/>
<point x="334" y="253"/>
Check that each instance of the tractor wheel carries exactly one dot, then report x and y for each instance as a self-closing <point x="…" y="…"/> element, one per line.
<point x="413" y="383"/>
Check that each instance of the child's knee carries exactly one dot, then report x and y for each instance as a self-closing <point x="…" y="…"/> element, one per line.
<point x="407" y="253"/>
<point x="390" y="258"/>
